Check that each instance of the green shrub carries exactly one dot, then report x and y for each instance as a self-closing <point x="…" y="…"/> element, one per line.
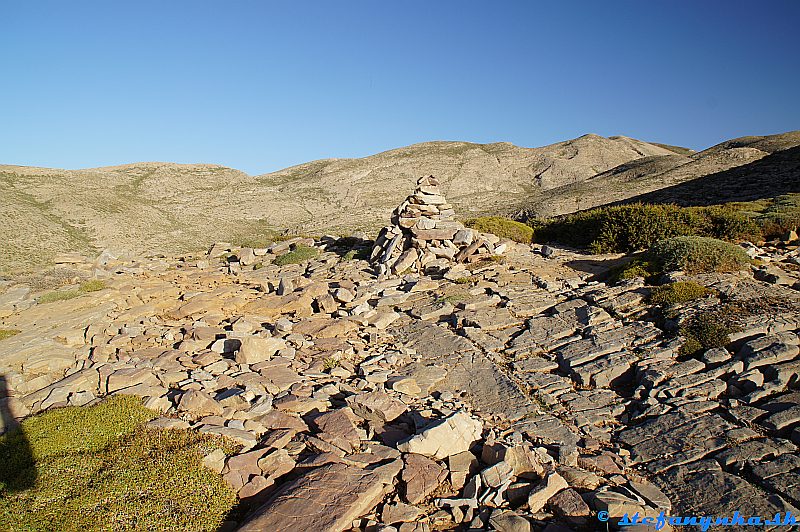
<point x="724" y="222"/>
<point x="695" y="254"/>
<point x="707" y="330"/>
<point x="8" y="333"/>
<point x="626" y="228"/>
<point x="578" y="230"/>
<point x="637" y="267"/>
<point x="635" y="227"/>
<point x="100" y="468"/>
<point x="618" y="229"/>
<point x="777" y="216"/>
<point x="502" y="227"/>
<point x="678" y="292"/>
<point x="296" y="256"/>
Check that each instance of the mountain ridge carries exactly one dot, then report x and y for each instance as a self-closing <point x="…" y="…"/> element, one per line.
<point x="161" y="207"/>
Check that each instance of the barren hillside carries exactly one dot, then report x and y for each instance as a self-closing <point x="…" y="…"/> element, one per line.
<point x="744" y="163"/>
<point x="151" y="208"/>
<point x="165" y="207"/>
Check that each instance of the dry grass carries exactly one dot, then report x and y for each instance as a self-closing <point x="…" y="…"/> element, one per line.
<point x="99" y="468"/>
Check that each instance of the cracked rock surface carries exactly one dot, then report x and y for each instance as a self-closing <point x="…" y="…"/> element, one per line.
<point x="507" y="396"/>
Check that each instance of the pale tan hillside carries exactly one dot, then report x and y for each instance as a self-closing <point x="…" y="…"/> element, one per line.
<point x="139" y="208"/>
<point x="477" y="178"/>
<point x="163" y="207"/>
<point x="151" y="208"/>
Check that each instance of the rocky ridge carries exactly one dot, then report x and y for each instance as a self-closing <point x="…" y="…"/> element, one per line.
<point x="504" y="396"/>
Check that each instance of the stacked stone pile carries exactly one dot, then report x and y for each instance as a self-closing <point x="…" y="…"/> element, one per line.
<point x="424" y="234"/>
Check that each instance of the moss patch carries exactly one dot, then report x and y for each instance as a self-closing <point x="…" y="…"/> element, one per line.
<point x="63" y="295"/>
<point x="296" y="256"/>
<point x="99" y="468"/>
<point x="8" y="333"/>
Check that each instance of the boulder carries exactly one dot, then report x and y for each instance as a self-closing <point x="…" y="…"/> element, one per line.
<point x="451" y="435"/>
<point x="327" y="498"/>
<point x="254" y="349"/>
<point x="376" y="406"/>
<point x="199" y="403"/>
<point x="421" y="476"/>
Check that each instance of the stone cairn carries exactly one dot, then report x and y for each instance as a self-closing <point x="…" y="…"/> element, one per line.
<point x="424" y="235"/>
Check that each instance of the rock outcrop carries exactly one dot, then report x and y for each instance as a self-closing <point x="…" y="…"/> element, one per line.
<point x="523" y="397"/>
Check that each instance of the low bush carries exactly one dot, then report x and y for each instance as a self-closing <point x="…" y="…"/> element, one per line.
<point x="618" y="229"/>
<point x="777" y="216"/>
<point x="694" y="254"/>
<point x="298" y="255"/>
<point x="724" y="222"/>
<point x="637" y="226"/>
<point x="502" y="227"/>
<point x="707" y="330"/>
<point x="637" y="267"/>
<point x="100" y="468"/>
<point x="678" y="292"/>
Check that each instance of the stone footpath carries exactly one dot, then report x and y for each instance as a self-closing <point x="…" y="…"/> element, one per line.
<point x="511" y="396"/>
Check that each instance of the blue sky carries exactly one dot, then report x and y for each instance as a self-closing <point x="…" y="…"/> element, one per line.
<point x="261" y="85"/>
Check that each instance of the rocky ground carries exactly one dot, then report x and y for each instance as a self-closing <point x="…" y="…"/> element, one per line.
<point x="513" y="396"/>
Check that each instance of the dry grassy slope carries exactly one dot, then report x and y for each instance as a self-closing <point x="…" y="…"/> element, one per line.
<point x="649" y="174"/>
<point x="139" y="208"/>
<point x="477" y="178"/>
<point x="165" y="208"/>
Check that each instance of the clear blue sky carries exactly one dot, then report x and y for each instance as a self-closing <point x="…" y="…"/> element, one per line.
<point x="261" y="85"/>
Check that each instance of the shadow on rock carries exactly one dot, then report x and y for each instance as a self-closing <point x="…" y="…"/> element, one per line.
<point x="357" y="246"/>
<point x="601" y="269"/>
<point x="17" y="467"/>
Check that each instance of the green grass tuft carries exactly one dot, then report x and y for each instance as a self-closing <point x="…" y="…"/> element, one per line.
<point x="100" y="468"/>
<point x="298" y="255"/>
<point x="63" y="295"/>
<point x="91" y="286"/>
<point x="678" y="292"/>
<point x="502" y="227"/>
<point x="357" y="254"/>
<point x="8" y="333"/>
